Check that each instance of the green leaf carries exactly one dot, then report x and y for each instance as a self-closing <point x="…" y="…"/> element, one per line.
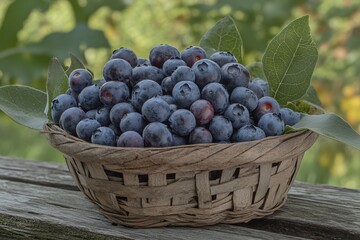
<point x="57" y="83"/>
<point x="24" y="105"/>
<point x="256" y="70"/>
<point x="224" y="36"/>
<point x="74" y="64"/>
<point x="331" y="126"/>
<point x="312" y="97"/>
<point x="289" y="61"/>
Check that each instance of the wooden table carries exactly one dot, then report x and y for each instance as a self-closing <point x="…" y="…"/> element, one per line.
<point x="39" y="200"/>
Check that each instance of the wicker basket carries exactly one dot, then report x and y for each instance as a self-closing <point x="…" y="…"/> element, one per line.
<point x="192" y="185"/>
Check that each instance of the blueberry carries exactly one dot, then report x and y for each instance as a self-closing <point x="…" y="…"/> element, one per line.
<point x="178" y="140"/>
<point x="183" y="73"/>
<point x="289" y="116"/>
<point x="168" y="98"/>
<point x="59" y="104"/>
<point x="203" y="111"/>
<point x="155" y="110"/>
<point x="234" y="75"/>
<point x="116" y="129"/>
<point x="221" y="128"/>
<point x="114" y="92"/>
<point x="118" y="111"/>
<point x="146" y="72"/>
<point x="217" y="95"/>
<point x="70" y="118"/>
<point x="171" y="64"/>
<point x="117" y="70"/>
<point x="79" y="79"/>
<point x="237" y="114"/>
<point x="91" y="114"/>
<point x="132" y="121"/>
<point x="206" y="71"/>
<point x="160" y="53"/>
<point x="182" y="122"/>
<point x="245" y="97"/>
<point x="173" y="108"/>
<point x="99" y="83"/>
<point x="142" y="61"/>
<point x="193" y="54"/>
<point x="222" y="58"/>
<point x="89" y="98"/>
<point x="103" y="116"/>
<point x="130" y="139"/>
<point x="266" y="105"/>
<point x="104" y="136"/>
<point x="126" y="54"/>
<point x="157" y="135"/>
<point x="248" y="133"/>
<point x="86" y="127"/>
<point x="167" y="85"/>
<point x="200" y="135"/>
<point x="143" y="91"/>
<point x="185" y="93"/>
<point x="73" y="94"/>
<point x="260" y="87"/>
<point x="271" y="124"/>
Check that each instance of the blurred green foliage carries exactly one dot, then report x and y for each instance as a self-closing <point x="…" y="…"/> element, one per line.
<point x="33" y="31"/>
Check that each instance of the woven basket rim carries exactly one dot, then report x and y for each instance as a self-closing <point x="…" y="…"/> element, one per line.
<point x="195" y="157"/>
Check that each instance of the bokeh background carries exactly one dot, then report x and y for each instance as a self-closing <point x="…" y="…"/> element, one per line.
<point x="33" y="31"/>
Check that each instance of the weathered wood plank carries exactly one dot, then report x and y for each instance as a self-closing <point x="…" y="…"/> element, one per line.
<point x="40" y="210"/>
<point x="312" y="211"/>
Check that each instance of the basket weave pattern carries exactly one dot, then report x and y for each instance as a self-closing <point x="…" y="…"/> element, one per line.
<point x="193" y="185"/>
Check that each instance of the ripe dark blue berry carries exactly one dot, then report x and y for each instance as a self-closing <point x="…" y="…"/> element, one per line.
<point x="114" y="92"/>
<point x="237" y="114"/>
<point x="266" y="105"/>
<point x="221" y="128"/>
<point x="193" y="54"/>
<point x="160" y="53"/>
<point x="156" y="110"/>
<point x="117" y="70"/>
<point x="244" y="96"/>
<point x="234" y="75"/>
<point x="60" y="104"/>
<point x="271" y="124"/>
<point x="146" y="72"/>
<point x="132" y="121"/>
<point x="203" y="111"/>
<point x="183" y="73"/>
<point x="167" y="85"/>
<point x="217" y="95"/>
<point x="260" y="87"/>
<point x="171" y="64"/>
<point x="248" y="133"/>
<point x="157" y="135"/>
<point x="130" y="139"/>
<point x="86" y="127"/>
<point x="70" y="118"/>
<point x="182" y="122"/>
<point x="289" y="116"/>
<point x="79" y="79"/>
<point x="126" y="54"/>
<point x="206" y="71"/>
<point x="103" y="116"/>
<point x="89" y="98"/>
<point x="185" y="93"/>
<point x="118" y="111"/>
<point x="143" y="91"/>
<point x="222" y="58"/>
<point x="200" y="135"/>
<point x="104" y="136"/>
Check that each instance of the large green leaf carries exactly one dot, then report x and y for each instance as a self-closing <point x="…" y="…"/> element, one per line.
<point x="224" y="36"/>
<point x="289" y="61"/>
<point x="256" y="70"/>
<point x="332" y="126"/>
<point x="57" y="83"/>
<point x="24" y="104"/>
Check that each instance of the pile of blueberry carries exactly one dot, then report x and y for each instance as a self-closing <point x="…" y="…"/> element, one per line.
<point x="171" y="99"/>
